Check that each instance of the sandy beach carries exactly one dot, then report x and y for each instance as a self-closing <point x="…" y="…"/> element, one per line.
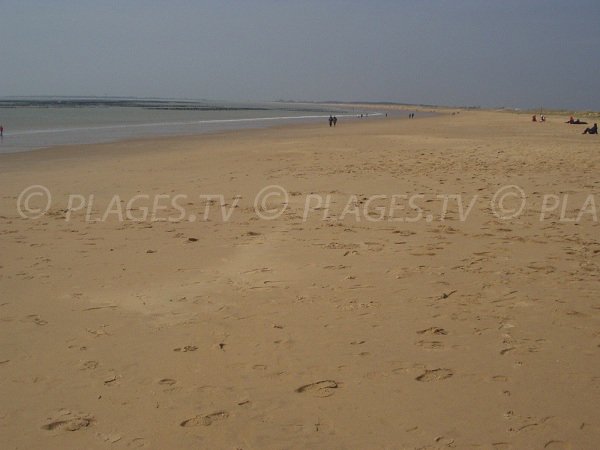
<point x="390" y="283"/>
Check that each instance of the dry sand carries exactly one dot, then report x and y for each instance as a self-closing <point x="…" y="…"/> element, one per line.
<point x="293" y="333"/>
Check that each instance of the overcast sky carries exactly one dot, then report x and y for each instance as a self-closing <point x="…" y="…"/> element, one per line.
<point x="512" y="53"/>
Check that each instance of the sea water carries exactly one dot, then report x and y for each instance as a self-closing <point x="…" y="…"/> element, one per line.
<point x="45" y="122"/>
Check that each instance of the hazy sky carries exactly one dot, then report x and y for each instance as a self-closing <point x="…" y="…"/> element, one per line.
<point x="513" y="53"/>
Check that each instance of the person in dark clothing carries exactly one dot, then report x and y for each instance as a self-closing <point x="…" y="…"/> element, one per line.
<point x="591" y="130"/>
<point x="576" y="122"/>
<point x="330" y="120"/>
<point x="334" y="121"/>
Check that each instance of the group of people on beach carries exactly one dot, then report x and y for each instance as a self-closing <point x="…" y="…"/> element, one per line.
<point x="332" y="120"/>
<point x="411" y="116"/>
<point x="588" y="130"/>
<point x="571" y="121"/>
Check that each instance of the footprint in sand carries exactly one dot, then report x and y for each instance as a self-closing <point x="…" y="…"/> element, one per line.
<point x="435" y="375"/>
<point x="69" y="423"/>
<point x="556" y="445"/>
<point x="433" y="330"/>
<point x="89" y="365"/>
<point x="37" y="320"/>
<point x="430" y="345"/>
<point x="137" y="443"/>
<point x="321" y="389"/>
<point x="500" y="378"/>
<point x="111" y="438"/>
<point x="167" y="382"/>
<point x="205" y="420"/>
<point x="446" y="442"/>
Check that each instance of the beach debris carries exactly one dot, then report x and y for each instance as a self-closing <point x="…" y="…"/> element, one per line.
<point x="94" y="308"/>
<point x="110" y="380"/>
<point x="187" y="348"/>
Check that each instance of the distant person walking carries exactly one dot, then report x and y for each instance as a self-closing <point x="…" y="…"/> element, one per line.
<point x="591" y="130"/>
<point x="1" y="131"/>
<point x="330" y="120"/>
<point x="334" y="121"/>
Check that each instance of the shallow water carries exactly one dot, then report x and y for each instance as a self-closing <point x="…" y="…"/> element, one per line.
<point x="39" y="123"/>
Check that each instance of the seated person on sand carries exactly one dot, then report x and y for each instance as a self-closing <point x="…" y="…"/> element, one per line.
<point x="591" y="130"/>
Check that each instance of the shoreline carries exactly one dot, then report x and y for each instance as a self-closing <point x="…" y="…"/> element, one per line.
<point x="97" y="130"/>
<point x="217" y="133"/>
<point x="316" y="125"/>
